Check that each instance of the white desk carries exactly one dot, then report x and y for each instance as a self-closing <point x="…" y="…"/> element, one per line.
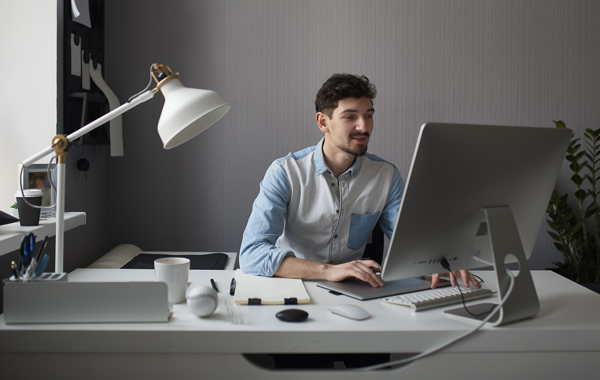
<point x="563" y="341"/>
<point x="11" y="234"/>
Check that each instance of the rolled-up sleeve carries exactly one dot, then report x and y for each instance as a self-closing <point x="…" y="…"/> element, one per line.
<point x="258" y="252"/>
<point x="389" y="214"/>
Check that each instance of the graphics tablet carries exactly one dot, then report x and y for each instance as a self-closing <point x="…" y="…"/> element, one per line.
<point x="364" y="291"/>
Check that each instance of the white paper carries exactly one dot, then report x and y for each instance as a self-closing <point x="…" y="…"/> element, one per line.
<point x="116" y="125"/>
<point x="75" y="56"/>
<point x="80" y="10"/>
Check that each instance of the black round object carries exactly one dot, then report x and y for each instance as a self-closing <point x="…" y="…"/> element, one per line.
<point x="83" y="165"/>
<point x="292" y="315"/>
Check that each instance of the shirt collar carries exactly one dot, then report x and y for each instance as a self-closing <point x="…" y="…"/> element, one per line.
<point x="322" y="167"/>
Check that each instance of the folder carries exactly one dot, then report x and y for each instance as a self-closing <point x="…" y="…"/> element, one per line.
<point x="257" y="290"/>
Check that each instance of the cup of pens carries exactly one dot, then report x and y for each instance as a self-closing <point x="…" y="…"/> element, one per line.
<point x="32" y="262"/>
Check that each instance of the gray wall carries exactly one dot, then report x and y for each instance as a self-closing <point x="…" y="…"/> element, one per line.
<point x="520" y="62"/>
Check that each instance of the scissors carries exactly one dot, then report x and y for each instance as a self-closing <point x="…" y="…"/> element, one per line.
<point x="27" y="247"/>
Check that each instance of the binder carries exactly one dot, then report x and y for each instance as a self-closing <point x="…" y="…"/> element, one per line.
<point x="257" y="290"/>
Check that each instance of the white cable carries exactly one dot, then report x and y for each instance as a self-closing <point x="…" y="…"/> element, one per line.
<point x="145" y="89"/>
<point x="477" y="258"/>
<point x="452" y="340"/>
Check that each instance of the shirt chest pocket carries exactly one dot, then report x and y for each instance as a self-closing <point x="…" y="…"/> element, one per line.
<point x="361" y="226"/>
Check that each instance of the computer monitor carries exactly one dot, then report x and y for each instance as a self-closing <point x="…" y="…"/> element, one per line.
<point x="477" y="191"/>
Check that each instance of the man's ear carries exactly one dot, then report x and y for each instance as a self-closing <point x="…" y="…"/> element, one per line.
<point x="323" y="122"/>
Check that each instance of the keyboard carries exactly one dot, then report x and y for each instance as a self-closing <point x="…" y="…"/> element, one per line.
<point x="432" y="298"/>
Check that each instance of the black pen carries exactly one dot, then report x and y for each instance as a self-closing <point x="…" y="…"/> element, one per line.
<point x="41" y="251"/>
<point x="35" y="262"/>
<point x="232" y="287"/>
<point x="212" y="282"/>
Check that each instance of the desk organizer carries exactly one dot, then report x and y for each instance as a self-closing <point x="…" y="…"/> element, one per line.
<point x="85" y="302"/>
<point x="44" y="277"/>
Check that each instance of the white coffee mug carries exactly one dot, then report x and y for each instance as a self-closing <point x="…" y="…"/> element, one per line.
<point x="173" y="271"/>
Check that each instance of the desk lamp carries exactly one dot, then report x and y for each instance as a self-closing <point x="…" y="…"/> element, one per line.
<point x="186" y="113"/>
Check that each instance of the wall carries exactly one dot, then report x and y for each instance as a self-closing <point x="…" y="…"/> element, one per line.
<point x="521" y="62"/>
<point x="29" y="35"/>
<point x="29" y="83"/>
<point x="28" y="121"/>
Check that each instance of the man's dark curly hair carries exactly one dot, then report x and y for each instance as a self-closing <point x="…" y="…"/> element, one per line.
<point x="341" y="86"/>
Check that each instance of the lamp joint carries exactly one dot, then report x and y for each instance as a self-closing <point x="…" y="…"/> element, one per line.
<point x="60" y="145"/>
<point x="161" y="74"/>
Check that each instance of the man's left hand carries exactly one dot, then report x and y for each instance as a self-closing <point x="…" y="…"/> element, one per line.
<point x="465" y="275"/>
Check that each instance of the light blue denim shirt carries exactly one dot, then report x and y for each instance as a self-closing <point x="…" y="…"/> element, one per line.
<point x="302" y="210"/>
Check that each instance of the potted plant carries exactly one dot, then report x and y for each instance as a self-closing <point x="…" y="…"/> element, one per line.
<point x="575" y="224"/>
<point x="14" y="210"/>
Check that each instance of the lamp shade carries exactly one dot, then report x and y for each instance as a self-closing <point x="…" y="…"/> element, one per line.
<point x="187" y="112"/>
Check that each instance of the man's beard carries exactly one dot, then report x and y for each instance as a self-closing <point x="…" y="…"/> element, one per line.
<point x="358" y="151"/>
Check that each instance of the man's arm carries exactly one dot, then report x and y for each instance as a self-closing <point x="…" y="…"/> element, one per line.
<point x="392" y="206"/>
<point x="258" y="254"/>
<point x="293" y="267"/>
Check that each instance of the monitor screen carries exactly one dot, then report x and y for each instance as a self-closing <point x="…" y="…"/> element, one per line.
<point x="457" y="172"/>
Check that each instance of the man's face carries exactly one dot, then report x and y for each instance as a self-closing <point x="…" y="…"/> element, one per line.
<point x="350" y="125"/>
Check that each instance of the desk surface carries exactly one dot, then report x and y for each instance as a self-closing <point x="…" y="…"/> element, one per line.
<point x="568" y="322"/>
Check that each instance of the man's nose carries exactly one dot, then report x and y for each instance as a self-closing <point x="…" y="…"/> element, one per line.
<point x="361" y="124"/>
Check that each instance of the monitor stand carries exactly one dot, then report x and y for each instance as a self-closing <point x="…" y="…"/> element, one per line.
<point x="505" y="241"/>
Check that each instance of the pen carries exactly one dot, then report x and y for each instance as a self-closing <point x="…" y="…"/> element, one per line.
<point x="42" y="266"/>
<point x="36" y="260"/>
<point x="13" y="266"/>
<point x="41" y="251"/>
<point x="232" y="287"/>
<point x="212" y="282"/>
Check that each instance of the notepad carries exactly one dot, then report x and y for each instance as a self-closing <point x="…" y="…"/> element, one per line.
<point x="257" y="290"/>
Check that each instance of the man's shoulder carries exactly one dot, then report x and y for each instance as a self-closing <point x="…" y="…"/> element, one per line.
<point x="376" y="160"/>
<point x="296" y="156"/>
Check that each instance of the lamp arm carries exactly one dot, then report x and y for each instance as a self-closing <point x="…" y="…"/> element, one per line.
<point x="145" y="96"/>
<point x="59" y="145"/>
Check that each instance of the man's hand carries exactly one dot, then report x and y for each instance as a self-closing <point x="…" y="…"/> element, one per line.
<point x="361" y="269"/>
<point x="292" y="267"/>
<point x="465" y="275"/>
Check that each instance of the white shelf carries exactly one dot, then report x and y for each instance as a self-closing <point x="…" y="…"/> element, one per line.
<point x="11" y="234"/>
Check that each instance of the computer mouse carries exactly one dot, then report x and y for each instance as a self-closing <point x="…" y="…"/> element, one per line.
<point x="350" y="311"/>
<point x="292" y="315"/>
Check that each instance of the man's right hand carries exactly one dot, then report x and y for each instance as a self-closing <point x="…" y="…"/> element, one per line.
<point x="361" y="269"/>
<point x="292" y="267"/>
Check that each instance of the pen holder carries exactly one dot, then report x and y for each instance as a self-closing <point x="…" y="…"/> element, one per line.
<point x="44" y="277"/>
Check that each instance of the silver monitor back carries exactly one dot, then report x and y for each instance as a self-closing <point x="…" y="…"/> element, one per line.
<point x="459" y="170"/>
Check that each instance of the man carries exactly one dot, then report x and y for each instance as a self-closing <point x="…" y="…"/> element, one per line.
<point x="317" y="207"/>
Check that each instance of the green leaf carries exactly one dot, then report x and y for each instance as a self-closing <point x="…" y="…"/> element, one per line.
<point x="575" y="226"/>
<point x="577" y="180"/>
<point x="560" y="124"/>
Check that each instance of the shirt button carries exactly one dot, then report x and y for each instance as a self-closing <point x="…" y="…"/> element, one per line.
<point x="335" y="236"/>
<point x="337" y="211"/>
